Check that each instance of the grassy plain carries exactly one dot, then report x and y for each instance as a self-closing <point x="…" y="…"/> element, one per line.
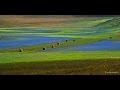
<point x="34" y="61"/>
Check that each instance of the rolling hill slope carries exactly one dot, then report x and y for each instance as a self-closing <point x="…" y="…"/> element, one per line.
<point x="113" y="23"/>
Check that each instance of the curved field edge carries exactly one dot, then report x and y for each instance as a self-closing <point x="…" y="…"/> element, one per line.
<point x="39" y="47"/>
<point x="75" y="67"/>
<point x="56" y="56"/>
<point x="79" y="41"/>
